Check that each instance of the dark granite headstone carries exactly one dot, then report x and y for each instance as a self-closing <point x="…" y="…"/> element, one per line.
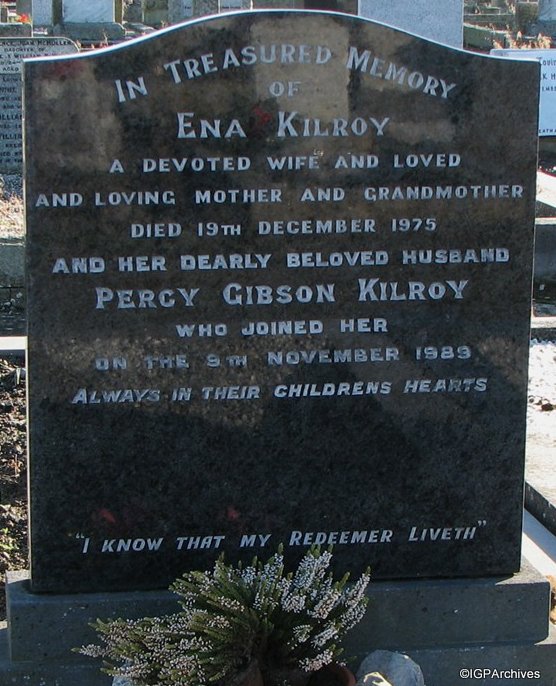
<point x="279" y="276"/>
<point x="12" y="53"/>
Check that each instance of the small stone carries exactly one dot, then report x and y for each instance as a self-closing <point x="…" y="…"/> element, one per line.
<point x="547" y="406"/>
<point x="374" y="679"/>
<point x="396" y="668"/>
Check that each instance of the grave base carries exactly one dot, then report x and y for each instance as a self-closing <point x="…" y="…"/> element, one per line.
<point x="445" y="625"/>
<point x="509" y="664"/>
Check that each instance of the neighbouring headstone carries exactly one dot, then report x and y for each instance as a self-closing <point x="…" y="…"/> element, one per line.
<point x="234" y="5"/>
<point x="133" y="12"/>
<point x="91" y="22"/>
<point x="178" y="10"/>
<point x="12" y="53"/>
<point x="547" y="10"/>
<point x="546" y="21"/>
<point x="279" y="291"/>
<point x="547" y="86"/>
<point x="77" y="11"/>
<point x="439" y="20"/>
<point x="155" y="12"/>
<point x="284" y="4"/>
<point x="204" y="7"/>
<point x="24" y="7"/>
<point x="42" y="12"/>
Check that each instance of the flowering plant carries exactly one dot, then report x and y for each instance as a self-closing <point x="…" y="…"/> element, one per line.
<point x="237" y="624"/>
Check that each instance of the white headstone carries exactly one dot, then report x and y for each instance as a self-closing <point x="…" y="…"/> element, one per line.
<point x="93" y="11"/>
<point x="547" y="94"/>
<point x="178" y="10"/>
<point x="234" y="5"/>
<point x="547" y="10"/>
<point x="439" y="20"/>
<point x="42" y="13"/>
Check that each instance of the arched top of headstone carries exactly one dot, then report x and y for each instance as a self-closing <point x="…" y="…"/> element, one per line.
<point x="249" y="17"/>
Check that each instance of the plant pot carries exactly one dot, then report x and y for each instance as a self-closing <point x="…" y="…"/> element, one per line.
<point x="330" y="675"/>
<point x="250" y="677"/>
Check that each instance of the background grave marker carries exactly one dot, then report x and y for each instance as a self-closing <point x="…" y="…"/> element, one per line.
<point x="12" y="53"/>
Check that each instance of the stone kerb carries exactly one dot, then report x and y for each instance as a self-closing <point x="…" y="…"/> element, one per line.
<point x="12" y="53"/>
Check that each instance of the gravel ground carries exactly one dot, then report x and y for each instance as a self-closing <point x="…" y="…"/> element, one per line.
<point x="541" y="420"/>
<point x="11" y="206"/>
<point x="541" y="411"/>
<point x="13" y="473"/>
<point x="542" y="372"/>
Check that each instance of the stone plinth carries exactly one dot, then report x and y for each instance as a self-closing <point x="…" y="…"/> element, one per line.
<point x="545" y="250"/>
<point x="454" y="623"/>
<point x="547" y="10"/>
<point x="42" y="12"/>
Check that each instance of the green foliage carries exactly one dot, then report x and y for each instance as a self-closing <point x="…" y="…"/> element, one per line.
<point x="7" y="543"/>
<point x="234" y="617"/>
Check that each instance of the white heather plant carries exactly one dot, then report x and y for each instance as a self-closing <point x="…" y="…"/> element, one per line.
<point x="238" y="621"/>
